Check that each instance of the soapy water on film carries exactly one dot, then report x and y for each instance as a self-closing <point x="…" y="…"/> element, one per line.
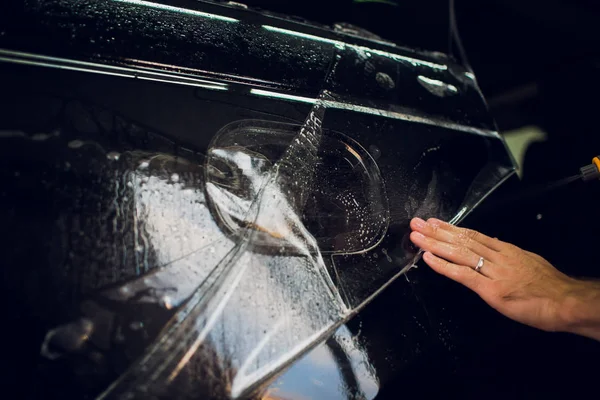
<point x="229" y="283"/>
<point x="204" y="277"/>
<point x="218" y="310"/>
<point x="231" y="279"/>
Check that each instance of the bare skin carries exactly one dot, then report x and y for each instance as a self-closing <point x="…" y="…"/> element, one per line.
<point x="519" y="284"/>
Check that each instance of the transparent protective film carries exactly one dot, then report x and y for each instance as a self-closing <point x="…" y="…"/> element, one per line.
<point x="256" y="329"/>
<point x="223" y="267"/>
<point x="191" y="232"/>
<point x="228" y="282"/>
<point x="341" y="202"/>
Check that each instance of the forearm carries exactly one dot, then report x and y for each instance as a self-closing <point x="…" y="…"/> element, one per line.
<point x="581" y="309"/>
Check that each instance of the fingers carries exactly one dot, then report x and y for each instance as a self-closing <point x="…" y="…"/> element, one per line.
<point x="487" y="241"/>
<point x="451" y="252"/>
<point x="463" y="238"/>
<point x="459" y="273"/>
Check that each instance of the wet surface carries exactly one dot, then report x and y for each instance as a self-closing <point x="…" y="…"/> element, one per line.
<point x="437" y="87"/>
<point x="235" y="45"/>
<point x="188" y="235"/>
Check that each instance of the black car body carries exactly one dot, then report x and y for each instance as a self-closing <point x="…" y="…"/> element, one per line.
<point x="199" y="195"/>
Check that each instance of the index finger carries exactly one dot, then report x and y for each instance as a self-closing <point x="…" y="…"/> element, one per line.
<point x="487" y="241"/>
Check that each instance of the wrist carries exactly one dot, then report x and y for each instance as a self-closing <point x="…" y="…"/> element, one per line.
<point x="579" y="311"/>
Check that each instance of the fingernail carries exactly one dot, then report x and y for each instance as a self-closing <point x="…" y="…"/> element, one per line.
<point x="419" y="223"/>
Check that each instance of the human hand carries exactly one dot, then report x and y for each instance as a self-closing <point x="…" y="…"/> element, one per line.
<point x="519" y="284"/>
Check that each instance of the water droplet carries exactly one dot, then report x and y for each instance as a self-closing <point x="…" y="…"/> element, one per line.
<point x="175" y="177"/>
<point x="75" y="144"/>
<point x="66" y="338"/>
<point x="385" y="81"/>
<point x="437" y="87"/>
<point x="119" y="337"/>
<point x="236" y="4"/>
<point x="136" y="325"/>
<point x="142" y="388"/>
<point x="143" y="165"/>
<point x="40" y="136"/>
<point x="387" y="256"/>
<point x="538" y="217"/>
<point x="167" y="302"/>
<point x="113" y="156"/>
<point x="374" y="151"/>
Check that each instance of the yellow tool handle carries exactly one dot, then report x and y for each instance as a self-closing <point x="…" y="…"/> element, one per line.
<point x="591" y="171"/>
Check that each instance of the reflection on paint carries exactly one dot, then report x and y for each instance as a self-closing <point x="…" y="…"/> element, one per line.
<point x="283" y="96"/>
<point x="405" y="116"/>
<point x="338" y="369"/>
<point x="199" y="85"/>
<point x="341" y="45"/>
<point x="165" y="7"/>
<point x="67" y="67"/>
<point x="437" y="87"/>
<point x="18" y="57"/>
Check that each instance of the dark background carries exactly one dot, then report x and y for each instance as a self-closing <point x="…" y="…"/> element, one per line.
<point x="537" y="63"/>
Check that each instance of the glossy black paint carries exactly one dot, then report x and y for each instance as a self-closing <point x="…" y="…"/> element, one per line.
<point x="133" y="77"/>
